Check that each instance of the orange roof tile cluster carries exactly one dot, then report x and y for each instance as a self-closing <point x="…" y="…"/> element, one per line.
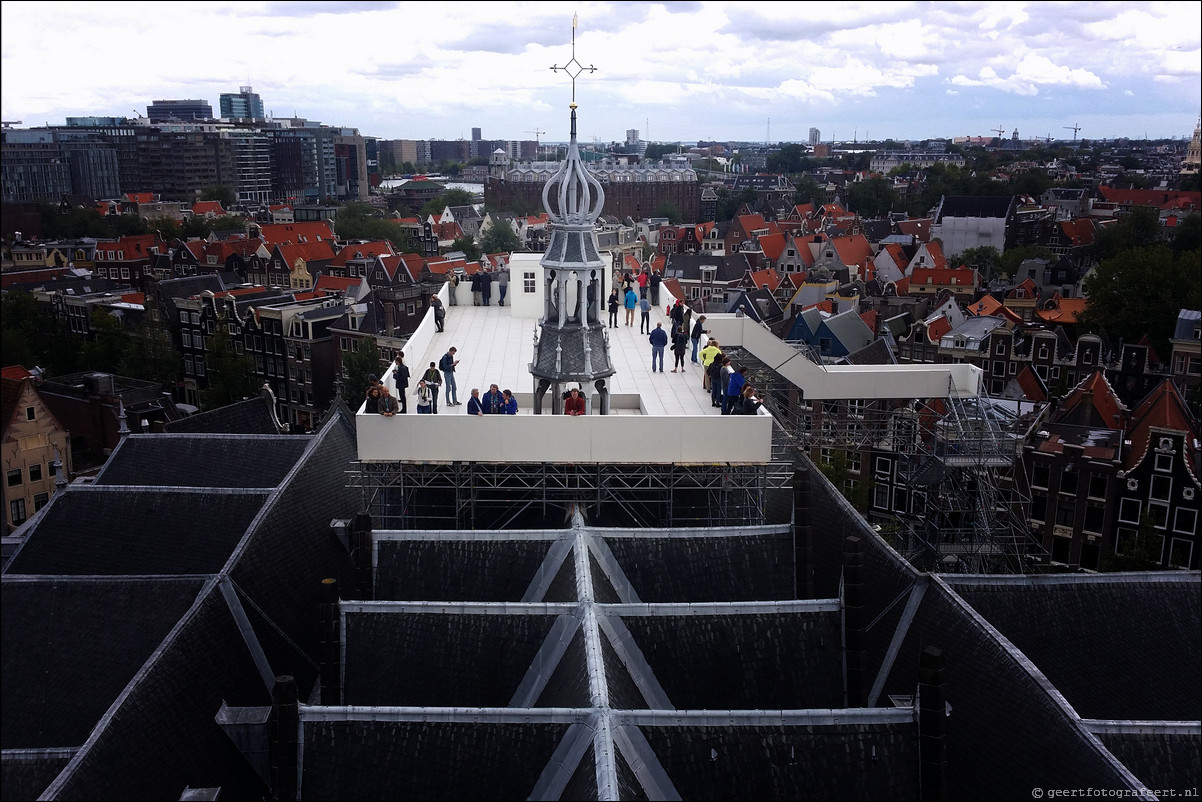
<point x="205" y="207"/>
<point x="1095" y="390"/>
<point x="307" y="251"/>
<point x="766" y="278"/>
<point x="1080" y="232"/>
<point x="1065" y="310"/>
<point x="937" y="328"/>
<point x="960" y="277"/>
<point x="363" y="251"/>
<point x="278" y="233"/>
<point x="138" y="197"/>
<point x="330" y="284"/>
<point x="1157" y="198"/>
<point x="853" y="249"/>
<point x="14" y="373"/>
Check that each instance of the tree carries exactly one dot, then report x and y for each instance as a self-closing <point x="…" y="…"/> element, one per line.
<point x="985" y="259"/>
<point x="872" y="199"/>
<point x="1013" y="257"/>
<point x="151" y="355"/>
<point x="106" y="352"/>
<point x="358" y="220"/>
<point x="357" y="365"/>
<point x="222" y="193"/>
<point x="670" y="210"/>
<point x="1139" y="228"/>
<point x="808" y="191"/>
<point x="230" y="374"/>
<point x="500" y="238"/>
<point x="1188" y="236"/>
<point x="452" y="197"/>
<point x="1140" y="291"/>
<point x="468" y="245"/>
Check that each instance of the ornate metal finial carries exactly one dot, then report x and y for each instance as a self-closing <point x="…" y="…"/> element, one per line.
<point x="574" y="68"/>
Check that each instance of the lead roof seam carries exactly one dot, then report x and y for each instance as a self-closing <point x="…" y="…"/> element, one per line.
<point x="563" y="763"/>
<point x="545" y="662"/>
<point x="917" y="591"/>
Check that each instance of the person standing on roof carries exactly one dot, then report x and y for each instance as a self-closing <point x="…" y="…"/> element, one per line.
<point x="447" y="364"/>
<point x="655" y="280"/>
<point x="659" y="339"/>
<point x="502" y="284"/>
<point x="644" y="315"/>
<point x="631" y="302"/>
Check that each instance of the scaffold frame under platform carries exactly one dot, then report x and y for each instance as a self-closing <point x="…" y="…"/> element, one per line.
<point x="488" y="495"/>
<point x="970" y="515"/>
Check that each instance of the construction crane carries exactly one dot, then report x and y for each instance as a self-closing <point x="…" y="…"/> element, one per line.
<point x="1074" y="128"/>
<point x="537" y="147"/>
<point x="9" y="123"/>
<point x="999" y="131"/>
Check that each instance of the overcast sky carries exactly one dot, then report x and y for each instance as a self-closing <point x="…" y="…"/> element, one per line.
<point x="678" y="71"/>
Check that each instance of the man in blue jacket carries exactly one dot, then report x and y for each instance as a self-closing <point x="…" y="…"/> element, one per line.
<point x="659" y="339"/>
<point x="733" y="390"/>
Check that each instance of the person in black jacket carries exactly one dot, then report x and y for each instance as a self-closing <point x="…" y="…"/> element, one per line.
<point x="400" y="379"/>
<point x="680" y="344"/>
<point x="613" y="308"/>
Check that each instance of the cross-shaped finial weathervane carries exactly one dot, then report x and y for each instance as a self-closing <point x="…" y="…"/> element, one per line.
<point x="574" y="68"/>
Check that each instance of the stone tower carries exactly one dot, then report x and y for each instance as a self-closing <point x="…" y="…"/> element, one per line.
<point x="572" y="343"/>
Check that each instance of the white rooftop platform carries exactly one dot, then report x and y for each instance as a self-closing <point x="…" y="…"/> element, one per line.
<point x="655" y="418"/>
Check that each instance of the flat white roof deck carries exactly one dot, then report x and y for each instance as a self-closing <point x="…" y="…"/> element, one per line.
<point x="659" y="418"/>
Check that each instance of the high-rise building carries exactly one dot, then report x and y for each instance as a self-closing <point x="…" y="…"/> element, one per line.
<point x="475" y="134"/>
<point x="632" y="136"/>
<point x="815" y="136"/>
<point x="163" y="110"/>
<point x="245" y="105"/>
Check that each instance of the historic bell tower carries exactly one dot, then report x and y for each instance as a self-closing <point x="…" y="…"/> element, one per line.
<point x="572" y="343"/>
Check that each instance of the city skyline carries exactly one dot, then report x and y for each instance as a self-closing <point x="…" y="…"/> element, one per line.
<point x="676" y="71"/>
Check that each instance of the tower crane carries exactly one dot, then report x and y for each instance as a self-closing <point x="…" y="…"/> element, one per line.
<point x="999" y="131"/>
<point x="1074" y="128"/>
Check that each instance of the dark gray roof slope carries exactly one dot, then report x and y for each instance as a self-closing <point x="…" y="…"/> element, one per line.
<point x="112" y="684"/>
<point x="1168" y="760"/>
<point x="1107" y="630"/>
<point x="86" y="639"/>
<point x="251" y="416"/>
<point x="239" y="461"/>
<point x="129" y="531"/>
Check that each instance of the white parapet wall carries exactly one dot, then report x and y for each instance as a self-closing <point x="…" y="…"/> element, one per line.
<point x="820" y="382"/>
<point x="620" y="439"/>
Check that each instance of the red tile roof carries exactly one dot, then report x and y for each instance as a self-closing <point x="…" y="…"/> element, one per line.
<point x="767" y="277"/>
<point x="204" y="207"/>
<point x="363" y="251"/>
<point x="1080" y="232"/>
<point x="1157" y="198"/>
<point x="937" y="328"/>
<point x="330" y="284"/>
<point x="870" y="319"/>
<point x="853" y="250"/>
<point x="1165" y="409"/>
<point x="1065" y="310"/>
<point x="315" y="231"/>
<point x="1106" y="410"/>
<point x="962" y="278"/>
<point x="919" y="228"/>
<point x="1032" y="386"/>
<point x="138" y="197"/>
<point x="14" y="372"/>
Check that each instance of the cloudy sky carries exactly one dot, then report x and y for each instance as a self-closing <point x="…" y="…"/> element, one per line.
<point x="677" y="71"/>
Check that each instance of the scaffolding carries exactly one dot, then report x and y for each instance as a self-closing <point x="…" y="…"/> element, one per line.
<point x="483" y="495"/>
<point x="955" y="456"/>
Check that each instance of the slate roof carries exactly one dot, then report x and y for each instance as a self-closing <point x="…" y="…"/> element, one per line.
<point x="138" y="605"/>
<point x="249" y="417"/>
<point x="1109" y="629"/>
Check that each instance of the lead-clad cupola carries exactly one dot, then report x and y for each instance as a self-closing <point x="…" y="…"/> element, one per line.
<point x="572" y="346"/>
